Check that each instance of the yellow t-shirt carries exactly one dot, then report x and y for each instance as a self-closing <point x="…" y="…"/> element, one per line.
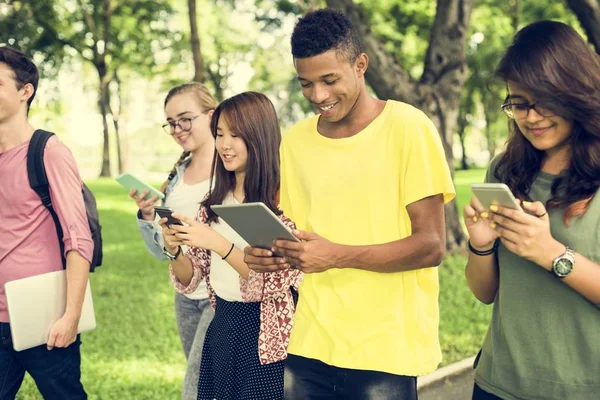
<point x="354" y="191"/>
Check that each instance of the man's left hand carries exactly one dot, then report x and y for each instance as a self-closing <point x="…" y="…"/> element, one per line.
<point x="313" y="254"/>
<point x="63" y="332"/>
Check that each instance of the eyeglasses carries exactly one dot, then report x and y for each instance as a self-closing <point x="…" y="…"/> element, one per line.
<point x="521" y="110"/>
<point x="184" y="124"/>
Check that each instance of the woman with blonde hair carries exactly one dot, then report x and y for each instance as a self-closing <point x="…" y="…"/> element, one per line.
<point x="188" y="110"/>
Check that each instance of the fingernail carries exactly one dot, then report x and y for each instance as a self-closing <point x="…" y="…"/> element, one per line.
<point x="484" y="214"/>
<point x="494" y="207"/>
<point x="493" y="225"/>
<point x="475" y="219"/>
<point x="526" y="203"/>
<point x="269" y="254"/>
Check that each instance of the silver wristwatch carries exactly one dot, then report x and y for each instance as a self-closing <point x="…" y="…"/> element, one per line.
<point x="563" y="265"/>
<point x="172" y="257"/>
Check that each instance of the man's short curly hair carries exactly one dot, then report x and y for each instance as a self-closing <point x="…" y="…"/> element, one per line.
<point x="323" y="30"/>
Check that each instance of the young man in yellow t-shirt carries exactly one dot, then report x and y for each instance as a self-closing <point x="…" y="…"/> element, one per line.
<point x="365" y="181"/>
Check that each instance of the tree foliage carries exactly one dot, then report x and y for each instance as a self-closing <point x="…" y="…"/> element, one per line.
<point x="111" y="35"/>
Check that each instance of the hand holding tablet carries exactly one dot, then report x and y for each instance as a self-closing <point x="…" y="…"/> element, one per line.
<point x="254" y="222"/>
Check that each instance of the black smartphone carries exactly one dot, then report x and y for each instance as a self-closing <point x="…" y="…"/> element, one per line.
<point x="166" y="212"/>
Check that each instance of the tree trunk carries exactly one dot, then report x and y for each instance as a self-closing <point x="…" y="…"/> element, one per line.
<point x="104" y="106"/>
<point x="116" y="117"/>
<point x="102" y="68"/>
<point x="462" y="127"/>
<point x="588" y="14"/>
<point x="466" y="107"/>
<point x="216" y="80"/>
<point x="215" y="77"/>
<point x="489" y="137"/>
<point x="438" y="91"/>
<point x="196" y="49"/>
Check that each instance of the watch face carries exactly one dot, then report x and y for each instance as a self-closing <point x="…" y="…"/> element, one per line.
<point x="563" y="266"/>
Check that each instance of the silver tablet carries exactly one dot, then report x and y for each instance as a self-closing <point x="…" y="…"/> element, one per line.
<point x="254" y="222"/>
<point x="36" y="303"/>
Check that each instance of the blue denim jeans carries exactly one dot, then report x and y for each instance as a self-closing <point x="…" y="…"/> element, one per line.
<point x="193" y="318"/>
<point x="308" y="379"/>
<point x="56" y="372"/>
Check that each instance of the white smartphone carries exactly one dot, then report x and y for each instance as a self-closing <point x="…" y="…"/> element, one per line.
<point x="132" y="182"/>
<point x="495" y="193"/>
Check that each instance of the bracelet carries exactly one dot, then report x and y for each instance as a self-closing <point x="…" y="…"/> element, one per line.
<point x="485" y="252"/>
<point x="229" y="252"/>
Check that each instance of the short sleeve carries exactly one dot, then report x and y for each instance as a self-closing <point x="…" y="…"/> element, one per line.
<point x="284" y="196"/>
<point x="427" y="172"/>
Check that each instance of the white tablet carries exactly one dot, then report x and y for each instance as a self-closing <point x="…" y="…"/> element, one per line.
<point x="255" y="223"/>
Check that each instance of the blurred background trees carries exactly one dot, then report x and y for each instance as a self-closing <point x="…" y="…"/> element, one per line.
<point x="106" y="65"/>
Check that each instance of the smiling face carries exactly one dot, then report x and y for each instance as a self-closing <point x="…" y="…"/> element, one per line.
<point x="330" y="83"/>
<point x="549" y="133"/>
<point x="184" y="109"/>
<point x="231" y="148"/>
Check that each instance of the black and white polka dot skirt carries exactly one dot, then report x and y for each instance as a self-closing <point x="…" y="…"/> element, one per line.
<point x="230" y="368"/>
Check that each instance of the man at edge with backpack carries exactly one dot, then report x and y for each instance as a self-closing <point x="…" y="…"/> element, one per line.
<point x="28" y="238"/>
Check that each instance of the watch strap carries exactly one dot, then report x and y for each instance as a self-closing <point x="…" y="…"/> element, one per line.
<point x="172" y="257"/>
<point x="568" y="254"/>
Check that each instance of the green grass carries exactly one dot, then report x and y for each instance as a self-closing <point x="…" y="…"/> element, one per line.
<point x="463" y="319"/>
<point x="135" y="352"/>
<point x="462" y="182"/>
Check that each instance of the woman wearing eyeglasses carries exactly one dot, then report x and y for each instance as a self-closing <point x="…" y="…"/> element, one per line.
<point x="540" y="268"/>
<point x="188" y="109"/>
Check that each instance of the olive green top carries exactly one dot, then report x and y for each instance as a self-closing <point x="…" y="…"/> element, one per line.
<point x="543" y="341"/>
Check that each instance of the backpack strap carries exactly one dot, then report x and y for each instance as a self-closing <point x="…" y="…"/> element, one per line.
<point x="38" y="180"/>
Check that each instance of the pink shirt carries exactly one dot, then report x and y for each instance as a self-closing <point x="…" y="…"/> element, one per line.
<point x="28" y="242"/>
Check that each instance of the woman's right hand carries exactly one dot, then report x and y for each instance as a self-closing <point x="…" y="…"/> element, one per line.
<point x="479" y="225"/>
<point x="145" y="206"/>
<point x="172" y="242"/>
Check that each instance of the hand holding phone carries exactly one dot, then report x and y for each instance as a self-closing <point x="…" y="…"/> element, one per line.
<point x="480" y="227"/>
<point x="478" y="221"/>
<point x="166" y="212"/>
<point x="132" y="182"/>
<point x="495" y="194"/>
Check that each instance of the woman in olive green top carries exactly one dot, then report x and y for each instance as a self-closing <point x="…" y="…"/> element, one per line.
<point x="541" y="267"/>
